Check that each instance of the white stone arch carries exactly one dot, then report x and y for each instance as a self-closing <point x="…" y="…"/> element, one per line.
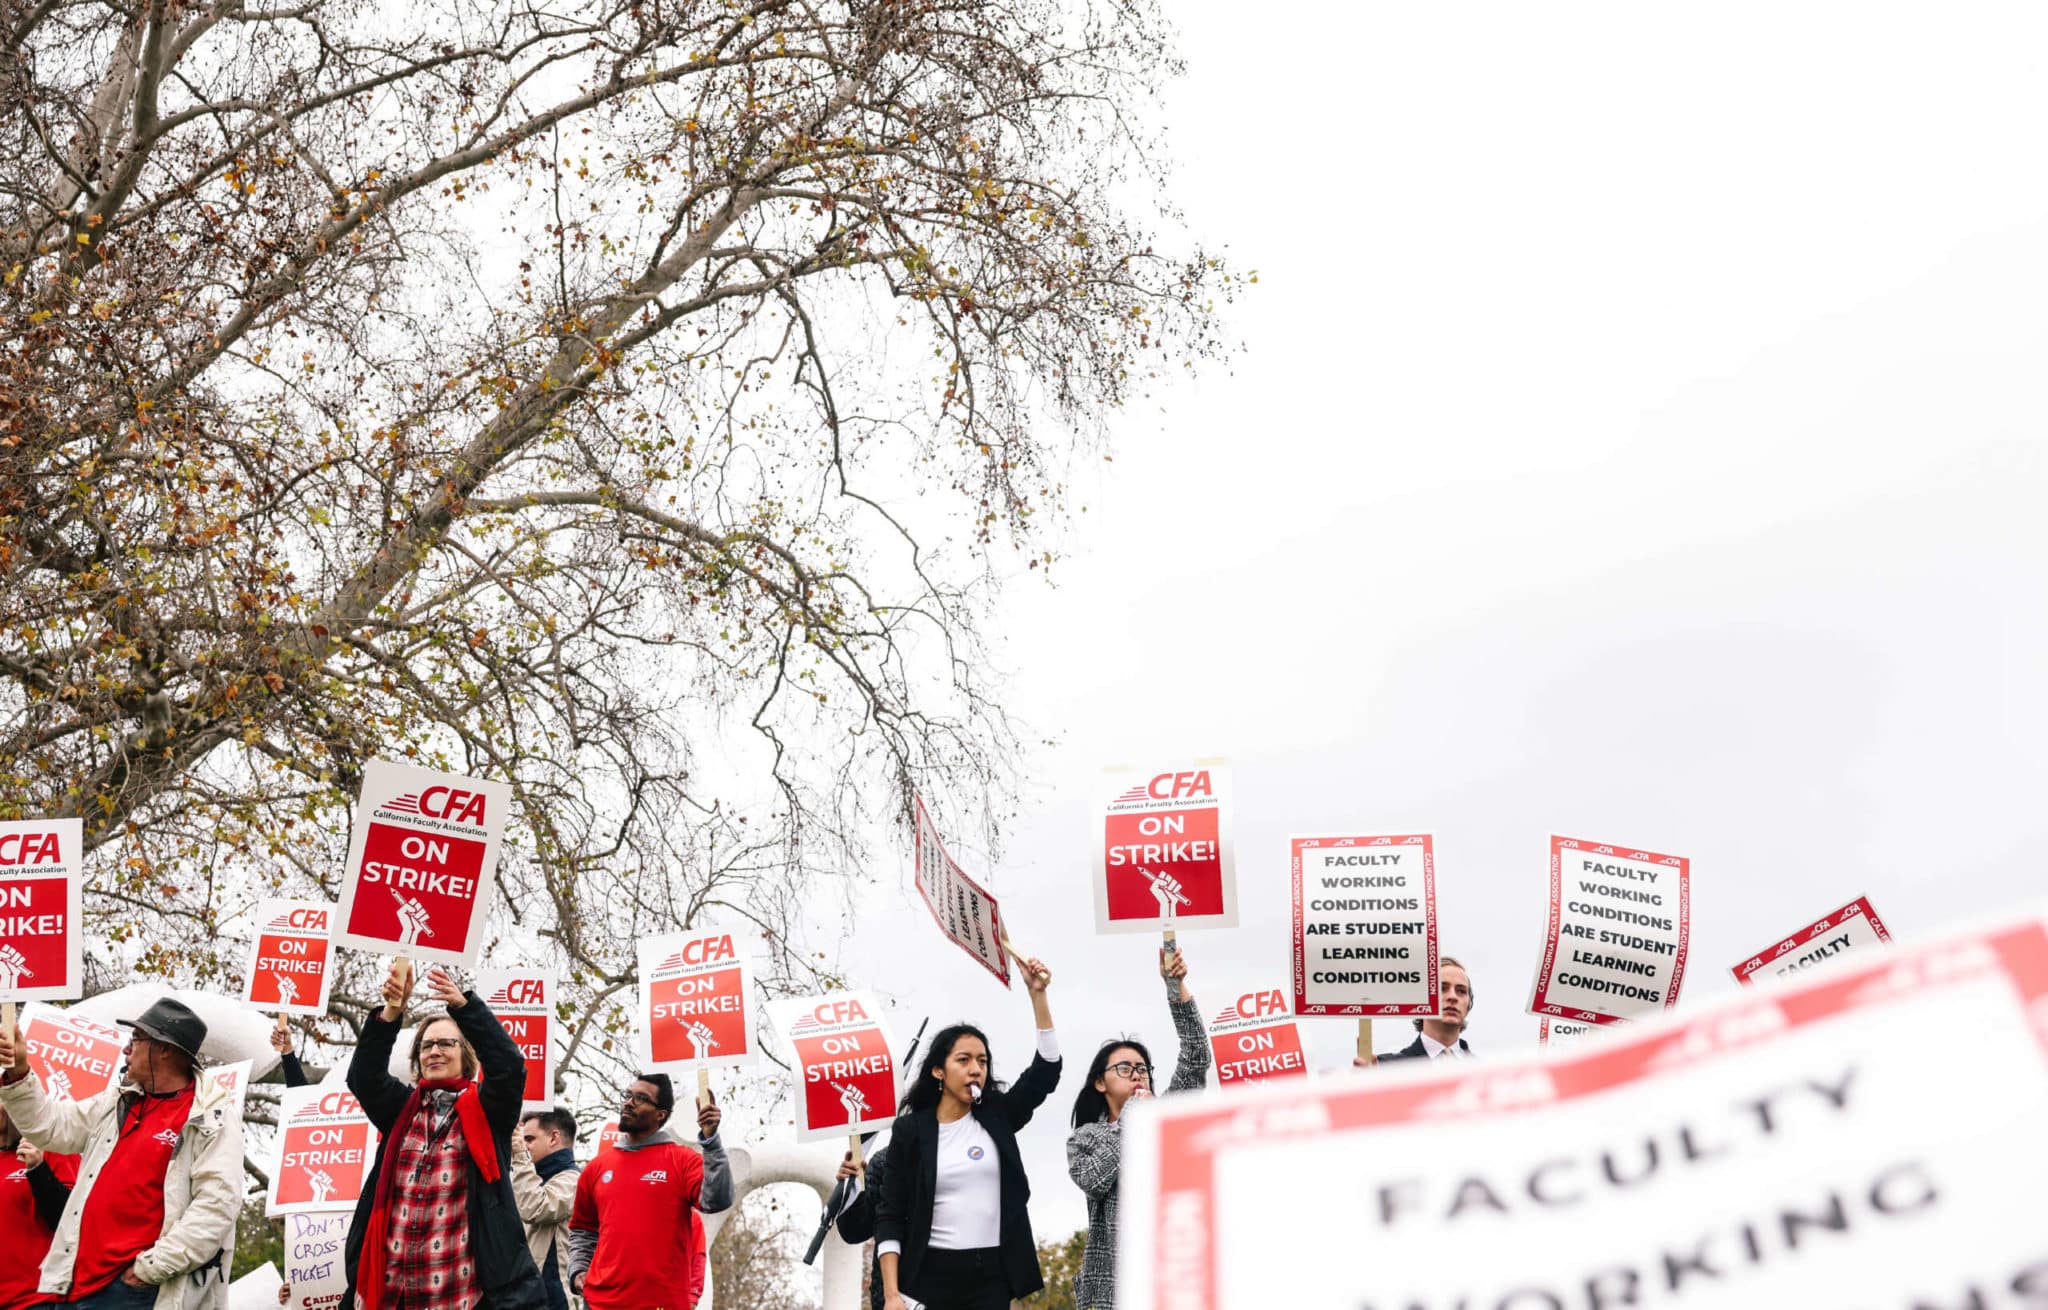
<point x="815" y="1166"/>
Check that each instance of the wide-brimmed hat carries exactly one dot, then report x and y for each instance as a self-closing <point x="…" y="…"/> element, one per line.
<point x="172" y="1023"/>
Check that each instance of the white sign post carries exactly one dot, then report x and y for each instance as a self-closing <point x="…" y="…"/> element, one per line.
<point x="1782" y="1148"/>
<point x="1619" y="931"/>
<point x="420" y="860"/>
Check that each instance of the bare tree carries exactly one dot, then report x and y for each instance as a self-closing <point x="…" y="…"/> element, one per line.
<point x="639" y="401"/>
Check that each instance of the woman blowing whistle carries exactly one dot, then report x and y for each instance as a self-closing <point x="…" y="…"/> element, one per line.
<point x="951" y="1225"/>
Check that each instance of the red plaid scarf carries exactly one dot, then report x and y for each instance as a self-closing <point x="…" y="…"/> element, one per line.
<point x="476" y="1135"/>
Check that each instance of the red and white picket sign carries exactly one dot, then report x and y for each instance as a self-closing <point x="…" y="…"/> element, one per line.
<point x="288" y="969"/>
<point x="524" y="1002"/>
<point x="74" y="1057"/>
<point x="1782" y="1147"/>
<point x="1163" y="858"/>
<point x="234" y="1080"/>
<point x="1853" y="928"/>
<point x="846" y="1067"/>
<point x="1256" y="1039"/>
<point x="1620" y="927"/>
<point x="961" y="906"/>
<point x="41" y="938"/>
<point x="420" y="859"/>
<point x="696" y="1002"/>
<point x="608" y="1136"/>
<point x="325" y="1149"/>
<point x="1365" y="925"/>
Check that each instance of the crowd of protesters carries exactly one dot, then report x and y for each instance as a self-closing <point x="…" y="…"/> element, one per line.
<point x="129" y="1198"/>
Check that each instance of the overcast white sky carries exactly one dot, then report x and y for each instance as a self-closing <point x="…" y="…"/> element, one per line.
<point x="1638" y="438"/>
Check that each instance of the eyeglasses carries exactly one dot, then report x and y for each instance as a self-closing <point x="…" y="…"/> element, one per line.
<point x="1131" y="1069"/>
<point x="440" y="1044"/>
<point x="641" y="1098"/>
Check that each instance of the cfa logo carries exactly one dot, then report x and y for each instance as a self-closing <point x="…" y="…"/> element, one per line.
<point x="312" y="920"/>
<point x="706" y="949"/>
<point x="336" y="1103"/>
<point x="840" y="1012"/>
<point x="1256" y="1005"/>
<point x="452" y="803"/>
<point x="523" y="991"/>
<point x="1179" y="786"/>
<point x="29" y="848"/>
<point x="655" y="1176"/>
<point x="168" y="1137"/>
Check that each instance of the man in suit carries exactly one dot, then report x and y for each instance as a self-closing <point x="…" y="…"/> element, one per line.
<point x="1444" y="1035"/>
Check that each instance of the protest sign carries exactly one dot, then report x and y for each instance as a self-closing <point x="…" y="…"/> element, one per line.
<point x="325" y="1148"/>
<point x="287" y="970"/>
<point x="1783" y="1148"/>
<point x="234" y="1080"/>
<point x="1164" y="859"/>
<point x="74" y="1057"/>
<point x="1255" y="1038"/>
<point x="420" y="859"/>
<point x="41" y="940"/>
<point x="1364" y="925"/>
<point x="846" y="1068"/>
<point x="257" y="1289"/>
<point x="314" y="1267"/>
<point x="1854" y="927"/>
<point x="523" y="1000"/>
<point x="1620" y="927"/>
<point x="963" y="910"/>
<point x="1557" y="1032"/>
<point x="607" y="1135"/>
<point x="696" y="1002"/>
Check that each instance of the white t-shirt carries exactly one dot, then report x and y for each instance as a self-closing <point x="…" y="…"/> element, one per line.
<point x="967" y="1205"/>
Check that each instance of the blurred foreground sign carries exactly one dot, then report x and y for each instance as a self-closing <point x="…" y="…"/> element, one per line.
<point x="1805" y="1146"/>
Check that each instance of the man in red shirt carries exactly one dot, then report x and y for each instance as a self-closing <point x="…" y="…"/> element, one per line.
<point x="33" y="1189"/>
<point x="632" y="1245"/>
<point x="161" y="1179"/>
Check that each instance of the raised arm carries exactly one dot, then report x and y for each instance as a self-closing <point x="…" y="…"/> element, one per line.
<point x="369" y="1068"/>
<point x="502" y="1088"/>
<point x="1029" y="1092"/>
<point x="1191" y="1069"/>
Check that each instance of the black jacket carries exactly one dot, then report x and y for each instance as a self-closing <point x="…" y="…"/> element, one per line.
<point x="497" y="1237"/>
<point x="1415" y="1050"/>
<point x="903" y="1207"/>
<point x="857" y="1222"/>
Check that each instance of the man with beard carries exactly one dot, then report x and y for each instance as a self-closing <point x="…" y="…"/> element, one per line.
<point x="634" y="1238"/>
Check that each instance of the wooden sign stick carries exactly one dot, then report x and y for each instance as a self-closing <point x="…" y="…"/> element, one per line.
<point x="1365" y="1042"/>
<point x="703" y="1087"/>
<point x="7" y="1017"/>
<point x="860" y="1166"/>
<point x="284" y="1025"/>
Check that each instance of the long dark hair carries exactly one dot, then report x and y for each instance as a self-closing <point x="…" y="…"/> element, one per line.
<point x="1091" y="1106"/>
<point x="924" y="1090"/>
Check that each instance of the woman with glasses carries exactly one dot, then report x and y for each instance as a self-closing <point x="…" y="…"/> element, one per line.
<point x="437" y="1226"/>
<point x="951" y="1227"/>
<point x="1120" y="1071"/>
